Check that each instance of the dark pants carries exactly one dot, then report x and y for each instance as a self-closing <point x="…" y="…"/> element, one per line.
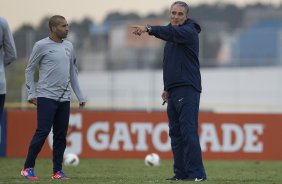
<point x="2" y="102"/>
<point x="183" y="109"/>
<point x="50" y="113"/>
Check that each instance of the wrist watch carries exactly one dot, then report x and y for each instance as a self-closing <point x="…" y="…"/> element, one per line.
<point x="148" y="28"/>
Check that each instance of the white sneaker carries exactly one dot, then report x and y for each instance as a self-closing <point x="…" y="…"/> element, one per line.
<point x="200" y="179"/>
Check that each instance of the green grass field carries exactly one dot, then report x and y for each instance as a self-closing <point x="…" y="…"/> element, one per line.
<point x="92" y="171"/>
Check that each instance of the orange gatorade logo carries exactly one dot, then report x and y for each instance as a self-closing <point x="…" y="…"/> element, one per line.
<point x="105" y="134"/>
<point x="121" y="136"/>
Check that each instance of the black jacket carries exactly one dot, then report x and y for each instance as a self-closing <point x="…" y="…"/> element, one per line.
<point x="180" y="63"/>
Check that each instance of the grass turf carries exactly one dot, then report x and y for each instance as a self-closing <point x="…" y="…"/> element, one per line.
<point x="93" y="171"/>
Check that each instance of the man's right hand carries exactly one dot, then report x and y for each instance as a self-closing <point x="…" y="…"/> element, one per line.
<point x="165" y="96"/>
<point x="138" y="29"/>
<point x="33" y="101"/>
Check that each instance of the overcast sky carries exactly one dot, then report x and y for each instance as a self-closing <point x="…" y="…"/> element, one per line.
<point x="18" y="12"/>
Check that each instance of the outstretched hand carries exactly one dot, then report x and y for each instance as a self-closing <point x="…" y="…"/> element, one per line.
<point x="138" y="29"/>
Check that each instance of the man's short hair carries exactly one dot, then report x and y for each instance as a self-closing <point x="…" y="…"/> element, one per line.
<point x="53" y="21"/>
<point x="181" y="3"/>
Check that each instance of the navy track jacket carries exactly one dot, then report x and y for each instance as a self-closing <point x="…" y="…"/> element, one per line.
<point x="180" y="63"/>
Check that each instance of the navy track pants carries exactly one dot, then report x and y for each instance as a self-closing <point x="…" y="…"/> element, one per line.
<point x="50" y="113"/>
<point x="182" y="110"/>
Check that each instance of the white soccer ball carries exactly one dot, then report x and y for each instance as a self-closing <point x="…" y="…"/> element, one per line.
<point x="71" y="159"/>
<point x="152" y="160"/>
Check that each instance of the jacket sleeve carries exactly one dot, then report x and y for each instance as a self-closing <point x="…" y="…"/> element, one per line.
<point x="74" y="79"/>
<point x="176" y="34"/>
<point x="8" y="44"/>
<point x="34" y="59"/>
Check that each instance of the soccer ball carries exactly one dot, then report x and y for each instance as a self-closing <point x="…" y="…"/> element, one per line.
<point x="71" y="159"/>
<point x="152" y="160"/>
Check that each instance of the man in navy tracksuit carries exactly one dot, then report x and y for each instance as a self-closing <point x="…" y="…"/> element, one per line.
<point x="182" y="88"/>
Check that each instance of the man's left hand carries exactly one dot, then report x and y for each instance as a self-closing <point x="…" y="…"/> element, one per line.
<point x="82" y="104"/>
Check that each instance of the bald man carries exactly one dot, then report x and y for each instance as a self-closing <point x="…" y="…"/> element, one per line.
<point x="57" y="72"/>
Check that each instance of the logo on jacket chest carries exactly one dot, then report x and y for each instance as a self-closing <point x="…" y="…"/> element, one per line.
<point x="68" y="52"/>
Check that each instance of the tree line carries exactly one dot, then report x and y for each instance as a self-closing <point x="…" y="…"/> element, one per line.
<point x="230" y="14"/>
